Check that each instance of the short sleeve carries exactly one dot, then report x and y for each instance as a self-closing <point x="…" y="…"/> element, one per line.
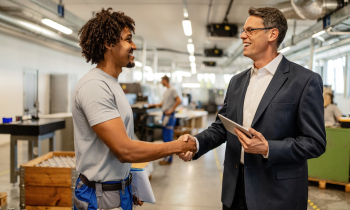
<point x="337" y="113"/>
<point x="97" y="102"/>
<point x="174" y="93"/>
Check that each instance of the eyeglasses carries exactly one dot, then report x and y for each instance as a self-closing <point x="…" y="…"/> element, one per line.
<point x="249" y="31"/>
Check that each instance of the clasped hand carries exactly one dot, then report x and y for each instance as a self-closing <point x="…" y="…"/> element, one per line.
<point x="188" y="155"/>
<point x="255" y="145"/>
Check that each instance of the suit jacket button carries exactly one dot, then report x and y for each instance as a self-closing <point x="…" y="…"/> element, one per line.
<point x="236" y="166"/>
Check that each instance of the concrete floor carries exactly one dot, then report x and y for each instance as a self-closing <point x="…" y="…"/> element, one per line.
<point x="186" y="186"/>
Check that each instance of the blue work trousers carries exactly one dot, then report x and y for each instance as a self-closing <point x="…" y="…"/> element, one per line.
<point x="168" y="132"/>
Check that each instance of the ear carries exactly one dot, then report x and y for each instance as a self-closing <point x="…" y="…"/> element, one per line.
<point x="273" y="34"/>
<point x="109" y="47"/>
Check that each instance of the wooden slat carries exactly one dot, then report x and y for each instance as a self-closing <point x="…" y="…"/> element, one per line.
<point x="47" y="208"/>
<point x="38" y="160"/>
<point x="139" y="165"/>
<point x="64" y="153"/>
<point x="326" y="181"/>
<point x="48" y="196"/>
<point x="40" y="176"/>
<point x="3" y="198"/>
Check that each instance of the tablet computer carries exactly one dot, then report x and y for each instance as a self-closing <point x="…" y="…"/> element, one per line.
<point x="230" y="126"/>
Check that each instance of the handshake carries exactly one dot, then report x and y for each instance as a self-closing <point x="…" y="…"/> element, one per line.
<point x="188" y="147"/>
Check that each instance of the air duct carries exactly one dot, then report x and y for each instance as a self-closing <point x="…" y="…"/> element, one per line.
<point x="36" y="30"/>
<point x="288" y="10"/>
<point x="308" y="9"/>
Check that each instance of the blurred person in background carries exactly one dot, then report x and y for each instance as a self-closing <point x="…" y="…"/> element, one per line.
<point x="332" y="114"/>
<point x="171" y="100"/>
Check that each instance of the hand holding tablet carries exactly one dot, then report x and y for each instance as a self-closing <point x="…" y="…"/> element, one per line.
<point x="230" y="126"/>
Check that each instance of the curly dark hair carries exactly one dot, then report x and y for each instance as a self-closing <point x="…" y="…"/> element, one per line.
<point x="105" y="27"/>
<point x="272" y="18"/>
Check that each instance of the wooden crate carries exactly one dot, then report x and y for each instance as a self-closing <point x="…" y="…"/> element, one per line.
<point x="46" y="187"/>
<point x="3" y="198"/>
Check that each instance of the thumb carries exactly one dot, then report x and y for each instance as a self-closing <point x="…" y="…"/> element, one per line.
<point x="185" y="138"/>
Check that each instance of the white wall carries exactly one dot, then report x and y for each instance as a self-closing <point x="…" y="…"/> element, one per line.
<point x="18" y="54"/>
<point x="343" y="104"/>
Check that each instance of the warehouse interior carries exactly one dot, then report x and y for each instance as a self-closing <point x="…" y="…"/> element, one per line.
<point x="198" y="45"/>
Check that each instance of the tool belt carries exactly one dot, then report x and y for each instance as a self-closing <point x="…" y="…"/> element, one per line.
<point x="106" y="187"/>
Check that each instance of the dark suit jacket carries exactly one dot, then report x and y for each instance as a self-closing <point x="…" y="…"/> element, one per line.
<point x="290" y="116"/>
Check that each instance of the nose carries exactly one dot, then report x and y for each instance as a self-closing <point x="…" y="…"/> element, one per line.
<point x="243" y="35"/>
<point x="133" y="46"/>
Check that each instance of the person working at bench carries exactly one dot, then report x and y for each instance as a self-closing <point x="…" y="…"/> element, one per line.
<point x="332" y="114"/>
<point x="282" y="103"/>
<point x="103" y="119"/>
<point x="171" y="100"/>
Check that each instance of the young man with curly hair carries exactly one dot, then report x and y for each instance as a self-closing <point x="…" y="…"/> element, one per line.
<point x="103" y="119"/>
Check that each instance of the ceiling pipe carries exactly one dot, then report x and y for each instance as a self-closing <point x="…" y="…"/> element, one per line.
<point x="308" y="9"/>
<point x="36" y="30"/>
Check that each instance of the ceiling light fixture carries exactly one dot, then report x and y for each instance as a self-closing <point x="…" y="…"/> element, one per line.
<point x="193" y="65"/>
<point x="187" y="27"/>
<point x="138" y="64"/>
<point x="318" y="34"/>
<point x="193" y="70"/>
<point x="190" y="48"/>
<point x="56" y="26"/>
<point x="189" y="40"/>
<point x="284" y="50"/>
<point x="191" y="85"/>
<point x="192" y="58"/>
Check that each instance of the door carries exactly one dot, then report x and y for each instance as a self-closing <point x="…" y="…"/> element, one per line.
<point x="30" y="91"/>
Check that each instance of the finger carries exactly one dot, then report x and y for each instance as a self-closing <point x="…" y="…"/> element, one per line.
<point x="185" y="138"/>
<point x="256" y="133"/>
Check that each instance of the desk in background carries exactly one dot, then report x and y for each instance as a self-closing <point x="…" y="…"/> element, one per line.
<point x="33" y="131"/>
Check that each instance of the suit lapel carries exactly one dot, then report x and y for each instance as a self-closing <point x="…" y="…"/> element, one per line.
<point x="275" y="85"/>
<point x="241" y="96"/>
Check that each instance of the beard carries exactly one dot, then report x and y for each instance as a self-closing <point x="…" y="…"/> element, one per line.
<point x="130" y="65"/>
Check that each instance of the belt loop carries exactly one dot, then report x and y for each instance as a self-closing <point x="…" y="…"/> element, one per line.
<point x="123" y="187"/>
<point x="99" y="191"/>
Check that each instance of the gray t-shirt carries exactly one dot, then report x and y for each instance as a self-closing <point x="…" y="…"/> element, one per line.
<point x="97" y="98"/>
<point x="331" y="112"/>
<point x="169" y="99"/>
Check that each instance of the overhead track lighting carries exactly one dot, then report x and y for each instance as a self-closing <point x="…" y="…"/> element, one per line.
<point x="56" y="26"/>
<point x="187" y="27"/>
<point x="190" y="48"/>
<point x="193" y="70"/>
<point x="189" y="40"/>
<point x="193" y="65"/>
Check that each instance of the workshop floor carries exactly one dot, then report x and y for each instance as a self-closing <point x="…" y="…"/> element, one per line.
<point x="186" y="186"/>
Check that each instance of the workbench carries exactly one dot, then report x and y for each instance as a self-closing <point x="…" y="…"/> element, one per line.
<point x="33" y="131"/>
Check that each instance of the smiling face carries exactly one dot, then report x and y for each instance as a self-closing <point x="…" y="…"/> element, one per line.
<point x="255" y="44"/>
<point x="122" y="52"/>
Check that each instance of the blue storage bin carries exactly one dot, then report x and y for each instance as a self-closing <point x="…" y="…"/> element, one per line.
<point x="6" y="120"/>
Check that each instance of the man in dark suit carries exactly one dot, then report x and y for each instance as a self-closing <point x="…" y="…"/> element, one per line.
<point x="282" y="105"/>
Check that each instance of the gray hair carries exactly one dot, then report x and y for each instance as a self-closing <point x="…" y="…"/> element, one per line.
<point x="272" y="18"/>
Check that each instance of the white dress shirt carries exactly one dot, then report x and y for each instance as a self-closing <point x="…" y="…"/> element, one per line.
<point x="259" y="81"/>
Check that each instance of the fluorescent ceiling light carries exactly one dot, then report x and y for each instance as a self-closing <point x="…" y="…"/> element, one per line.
<point x="189" y="40"/>
<point x="192" y="58"/>
<point x="193" y="70"/>
<point x="138" y="64"/>
<point x="193" y="65"/>
<point x="318" y="34"/>
<point x="148" y="68"/>
<point x="184" y="73"/>
<point x="56" y="26"/>
<point x="191" y="85"/>
<point x="190" y="48"/>
<point x="284" y="50"/>
<point x="37" y="28"/>
<point x="187" y="27"/>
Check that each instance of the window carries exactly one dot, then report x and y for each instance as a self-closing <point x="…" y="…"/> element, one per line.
<point x="335" y="74"/>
